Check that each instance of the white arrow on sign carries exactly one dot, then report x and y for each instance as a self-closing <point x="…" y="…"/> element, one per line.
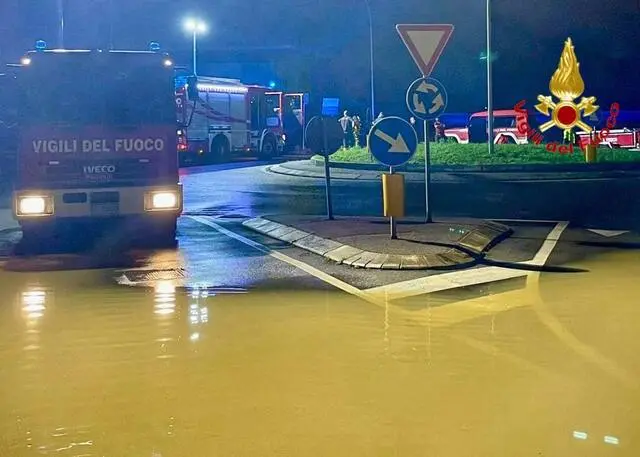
<point x="398" y="144"/>
<point x="608" y="233"/>
<point x="425" y="43"/>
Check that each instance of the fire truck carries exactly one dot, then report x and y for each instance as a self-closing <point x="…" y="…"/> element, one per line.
<point x="97" y="146"/>
<point x="219" y="118"/>
<point x="627" y="137"/>
<point x="506" y="131"/>
<point x="504" y="128"/>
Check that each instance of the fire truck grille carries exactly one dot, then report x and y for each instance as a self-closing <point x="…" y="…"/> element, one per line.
<point x="100" y="171"/>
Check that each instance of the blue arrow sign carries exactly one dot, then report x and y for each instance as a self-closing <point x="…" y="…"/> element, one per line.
<point x="427" y="98"/>
<point x="392" y="141"/>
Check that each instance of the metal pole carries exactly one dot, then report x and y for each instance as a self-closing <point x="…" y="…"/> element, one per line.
<point x="194" y="51"/>
<point x="111" y="24"/>
<point x="427" y="172"/>
<point x="392" y="220"/>
<point x="327" y="171"/>
<point x="371" y="58"/>
<point x="489" y="82"/>
<point x="61" y="24"/>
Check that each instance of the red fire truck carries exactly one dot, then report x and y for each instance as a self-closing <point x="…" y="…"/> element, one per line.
<point x="97" y="145"/>
<point x="624" y="138"/>
<point x="220" y="118"/>
<point x="504" y="129"/>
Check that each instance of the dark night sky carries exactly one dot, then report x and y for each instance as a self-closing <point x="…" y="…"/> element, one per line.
<point x="328" y="42"/>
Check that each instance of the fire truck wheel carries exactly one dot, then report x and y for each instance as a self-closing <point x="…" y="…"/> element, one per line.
<point x="220" y="149"/>
<point x="269" y="148"/>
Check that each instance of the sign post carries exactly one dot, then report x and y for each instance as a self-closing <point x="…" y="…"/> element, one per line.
<point x="392" y="141"/>
<point x="323" y="135"/>
<point x="427" y="100"/>
<point x="425" y="43"/>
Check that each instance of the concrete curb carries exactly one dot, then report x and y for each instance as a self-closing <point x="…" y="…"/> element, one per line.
<point x="537" y="168"/>
<point x="362" y="173"/>
<point x="474" y="243"/>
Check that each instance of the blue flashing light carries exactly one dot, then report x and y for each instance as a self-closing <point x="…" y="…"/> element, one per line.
<point x="272" y="84"/>
<point x="41" y="45"/>
<point x="154" y="46"/>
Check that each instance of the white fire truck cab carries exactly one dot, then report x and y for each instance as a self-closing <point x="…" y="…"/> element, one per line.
<point x="220" y="118"/>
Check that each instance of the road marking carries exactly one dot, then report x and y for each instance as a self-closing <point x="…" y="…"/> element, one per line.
<point x="465" y="278"/>
<point x="444" y="281"/>
<point x="549" y="245"/>
<point x="291" y="261"/>
<point x="608" y="233"/>
<point x="533" y="221"/>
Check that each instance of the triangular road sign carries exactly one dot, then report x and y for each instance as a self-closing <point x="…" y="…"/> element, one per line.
<point x="608" y="233"/>
<point x="425" y="43"/>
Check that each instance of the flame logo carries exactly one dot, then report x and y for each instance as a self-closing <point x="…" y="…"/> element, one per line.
<point x="567" y="83"/>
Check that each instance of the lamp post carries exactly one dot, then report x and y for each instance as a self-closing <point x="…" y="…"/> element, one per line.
<point x="368" y="4"/>
<point x="60" y="8"/>
<point x="195" y="26"/>
<point x="489" y="82"/>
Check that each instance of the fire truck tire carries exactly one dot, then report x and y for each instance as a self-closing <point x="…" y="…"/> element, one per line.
<point x="220" y="149"/>
<point x="269" y="149"/>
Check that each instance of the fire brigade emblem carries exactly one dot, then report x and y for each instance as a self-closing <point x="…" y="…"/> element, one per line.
<point x="567" y="85"/>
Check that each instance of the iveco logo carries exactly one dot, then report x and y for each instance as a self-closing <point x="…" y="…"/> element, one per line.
<point x="95" y="169"/>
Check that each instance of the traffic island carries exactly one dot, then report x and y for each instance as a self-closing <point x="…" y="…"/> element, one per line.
<point x="365" y="242"/>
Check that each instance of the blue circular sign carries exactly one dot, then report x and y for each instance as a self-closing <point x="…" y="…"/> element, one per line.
<point x="427" y="98"/>
<point x="392" y="141"/>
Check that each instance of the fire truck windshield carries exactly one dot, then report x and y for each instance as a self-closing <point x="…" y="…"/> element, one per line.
<point x="90" y="91"/>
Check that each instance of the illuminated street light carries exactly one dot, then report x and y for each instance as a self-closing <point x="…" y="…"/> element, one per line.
<point x="195" y="26"/>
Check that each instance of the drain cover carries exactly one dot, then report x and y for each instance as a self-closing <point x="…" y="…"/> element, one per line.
<point x="154" y="275"/>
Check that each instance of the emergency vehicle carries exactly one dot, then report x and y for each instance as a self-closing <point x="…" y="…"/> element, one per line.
<point x="623" y="138"/>
<point x="8" y="124"/>
<point x="504" y="128"/>
<point x="97" y="145"/>
<point x="220" y="118"/>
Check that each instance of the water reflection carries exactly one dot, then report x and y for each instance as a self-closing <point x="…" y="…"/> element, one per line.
<point x="165" y="298"/>
<point x="33" y="303"/>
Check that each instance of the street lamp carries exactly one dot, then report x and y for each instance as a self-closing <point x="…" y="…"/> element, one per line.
<point x="368" y="4"/>
<point x="195" y="26"/>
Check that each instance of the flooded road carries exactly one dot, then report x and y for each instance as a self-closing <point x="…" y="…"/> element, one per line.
<point x="92" y="368"/>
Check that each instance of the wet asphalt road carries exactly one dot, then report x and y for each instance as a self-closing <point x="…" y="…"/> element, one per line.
<point x="235" y="344"/>
<point x="249" y="191"/>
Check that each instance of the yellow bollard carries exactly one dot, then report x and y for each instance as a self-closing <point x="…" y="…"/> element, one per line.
<point x="591" y="153"/>
<point x="393" y="194"/>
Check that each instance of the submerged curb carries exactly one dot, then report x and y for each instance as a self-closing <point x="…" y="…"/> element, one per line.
<point x="474" y="243"/>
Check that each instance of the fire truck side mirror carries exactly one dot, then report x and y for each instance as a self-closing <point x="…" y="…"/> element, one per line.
<point x="192" y="88"/>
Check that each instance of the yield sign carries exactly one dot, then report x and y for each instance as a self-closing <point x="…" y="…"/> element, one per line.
<point x="425" y="43"/>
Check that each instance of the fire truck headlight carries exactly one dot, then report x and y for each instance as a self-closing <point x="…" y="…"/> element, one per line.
<point x="162" y="200"/>
<point x="34" y="205"/>
<point x="25" y="61"/>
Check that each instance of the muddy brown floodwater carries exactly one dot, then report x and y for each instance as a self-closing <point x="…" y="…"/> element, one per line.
<point x="547" y="368"/>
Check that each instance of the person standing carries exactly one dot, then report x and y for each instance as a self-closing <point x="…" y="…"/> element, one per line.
<point x="347" y="129"/>
<point x="357" y="128"/>
<point x="439" y="130"/>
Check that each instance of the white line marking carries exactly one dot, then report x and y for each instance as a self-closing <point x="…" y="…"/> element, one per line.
<point x="444" y="281"/>
<point x="549" y="245"/>
<point x="526" y="220"/>
<point x="465" y="278"/>
<point x="285" y="258"/>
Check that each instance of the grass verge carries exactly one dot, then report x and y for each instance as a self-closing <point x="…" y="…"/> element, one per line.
<point x="477" y="154"/>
